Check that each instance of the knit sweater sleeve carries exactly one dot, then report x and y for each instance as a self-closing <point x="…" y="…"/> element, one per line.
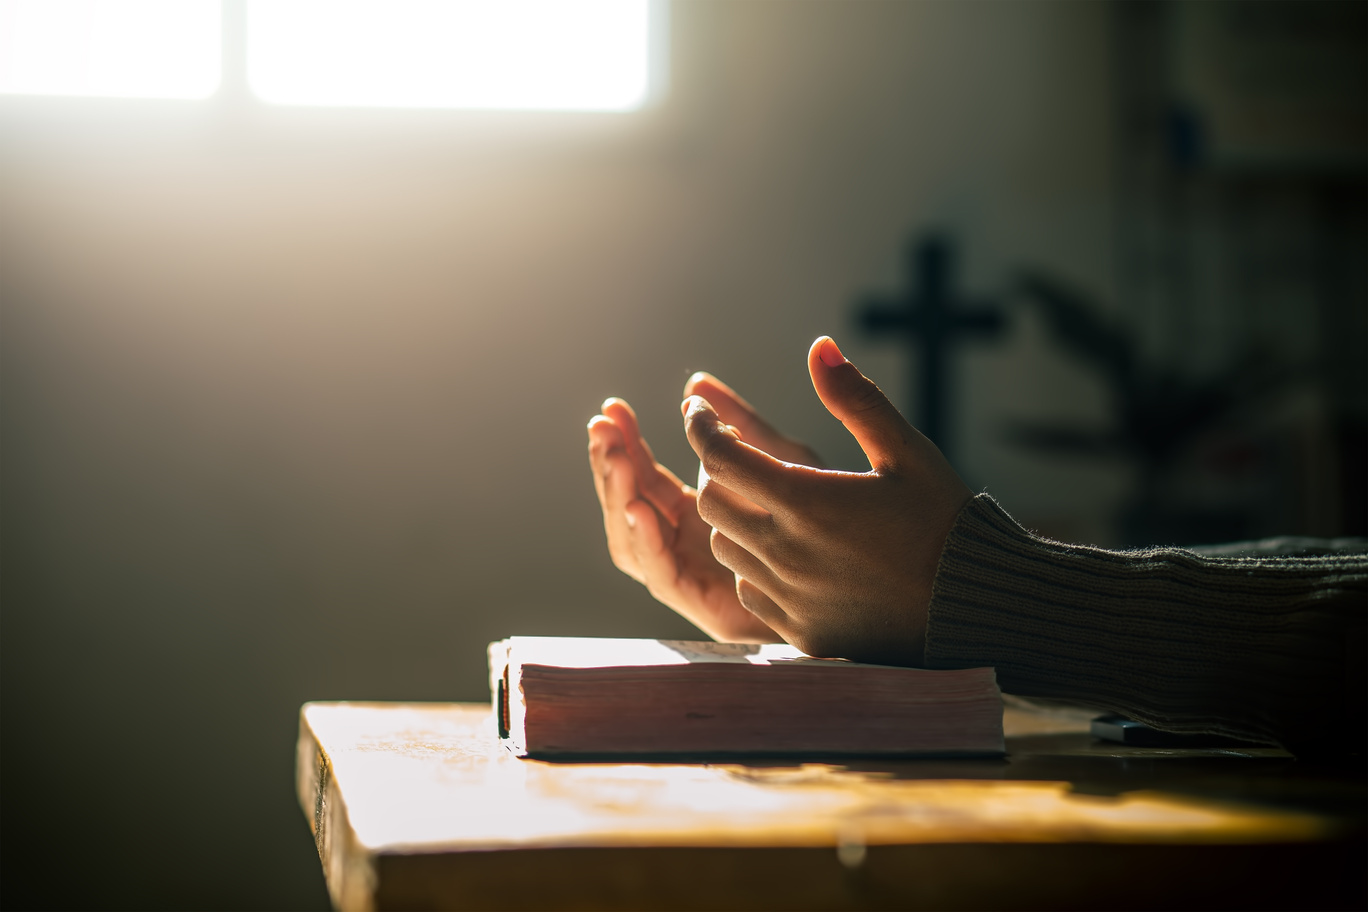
<point x="1265" y="649"/>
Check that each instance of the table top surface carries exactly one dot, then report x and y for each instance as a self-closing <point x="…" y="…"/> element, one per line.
<point x="431" y="778"/>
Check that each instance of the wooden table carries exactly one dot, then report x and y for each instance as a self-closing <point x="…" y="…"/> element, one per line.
<point x="416" y="806"/>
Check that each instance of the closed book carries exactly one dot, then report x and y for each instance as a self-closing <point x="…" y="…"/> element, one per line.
<point x="581" y="696"/>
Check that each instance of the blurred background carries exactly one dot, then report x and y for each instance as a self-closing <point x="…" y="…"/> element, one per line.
<point x="293" y="398"/>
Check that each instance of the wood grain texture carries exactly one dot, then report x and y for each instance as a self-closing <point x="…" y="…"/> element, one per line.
<point x="417" y="806"/>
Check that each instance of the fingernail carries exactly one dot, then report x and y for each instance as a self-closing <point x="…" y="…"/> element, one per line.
<point x="830" y="354"/>
<point x="697" y="402"/>
<point x="631" y="520"/>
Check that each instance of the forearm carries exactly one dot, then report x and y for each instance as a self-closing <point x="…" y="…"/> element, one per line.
<point x="1263" y="649"/>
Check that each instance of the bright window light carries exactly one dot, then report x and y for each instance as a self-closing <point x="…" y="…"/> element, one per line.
<point x="122" y="48"/>
<point x="494" y="54"/>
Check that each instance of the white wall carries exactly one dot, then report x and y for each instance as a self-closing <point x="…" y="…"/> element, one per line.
<point x="294" y="400"/>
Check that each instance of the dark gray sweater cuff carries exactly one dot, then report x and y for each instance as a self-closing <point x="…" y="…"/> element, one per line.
<point x="1261" y="649"/>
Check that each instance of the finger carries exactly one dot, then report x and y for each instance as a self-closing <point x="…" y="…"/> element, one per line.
<point x="742" y="562"/>
<point x="860" y="405"/>
<point x="755" y="430"/>
<point x="737" y="466"/>
<point x="624" y="416"/>
<point x="733" y="515"/>
<point x="619" y="491"/>
<point x="732" y="409"/>
<point x="658" y="484"/>
<point x="766" y="609"/>
<point x="603" y="437"/>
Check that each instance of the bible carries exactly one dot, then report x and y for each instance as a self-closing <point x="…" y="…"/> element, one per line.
<point x="570" y="696"/>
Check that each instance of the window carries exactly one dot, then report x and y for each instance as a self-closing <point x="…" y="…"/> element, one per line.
<point x="508" y="54"/>
<point x="585" y="55"/>
<point x="122" y="48"/>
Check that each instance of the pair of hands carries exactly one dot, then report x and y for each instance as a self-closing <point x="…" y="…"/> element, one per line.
<point x="771" y="545"/>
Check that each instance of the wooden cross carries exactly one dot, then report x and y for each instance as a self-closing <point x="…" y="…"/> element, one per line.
<point x="928" y="318"/>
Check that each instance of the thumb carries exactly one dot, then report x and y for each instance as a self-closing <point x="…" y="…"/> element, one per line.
<point x="860" y="405"/>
